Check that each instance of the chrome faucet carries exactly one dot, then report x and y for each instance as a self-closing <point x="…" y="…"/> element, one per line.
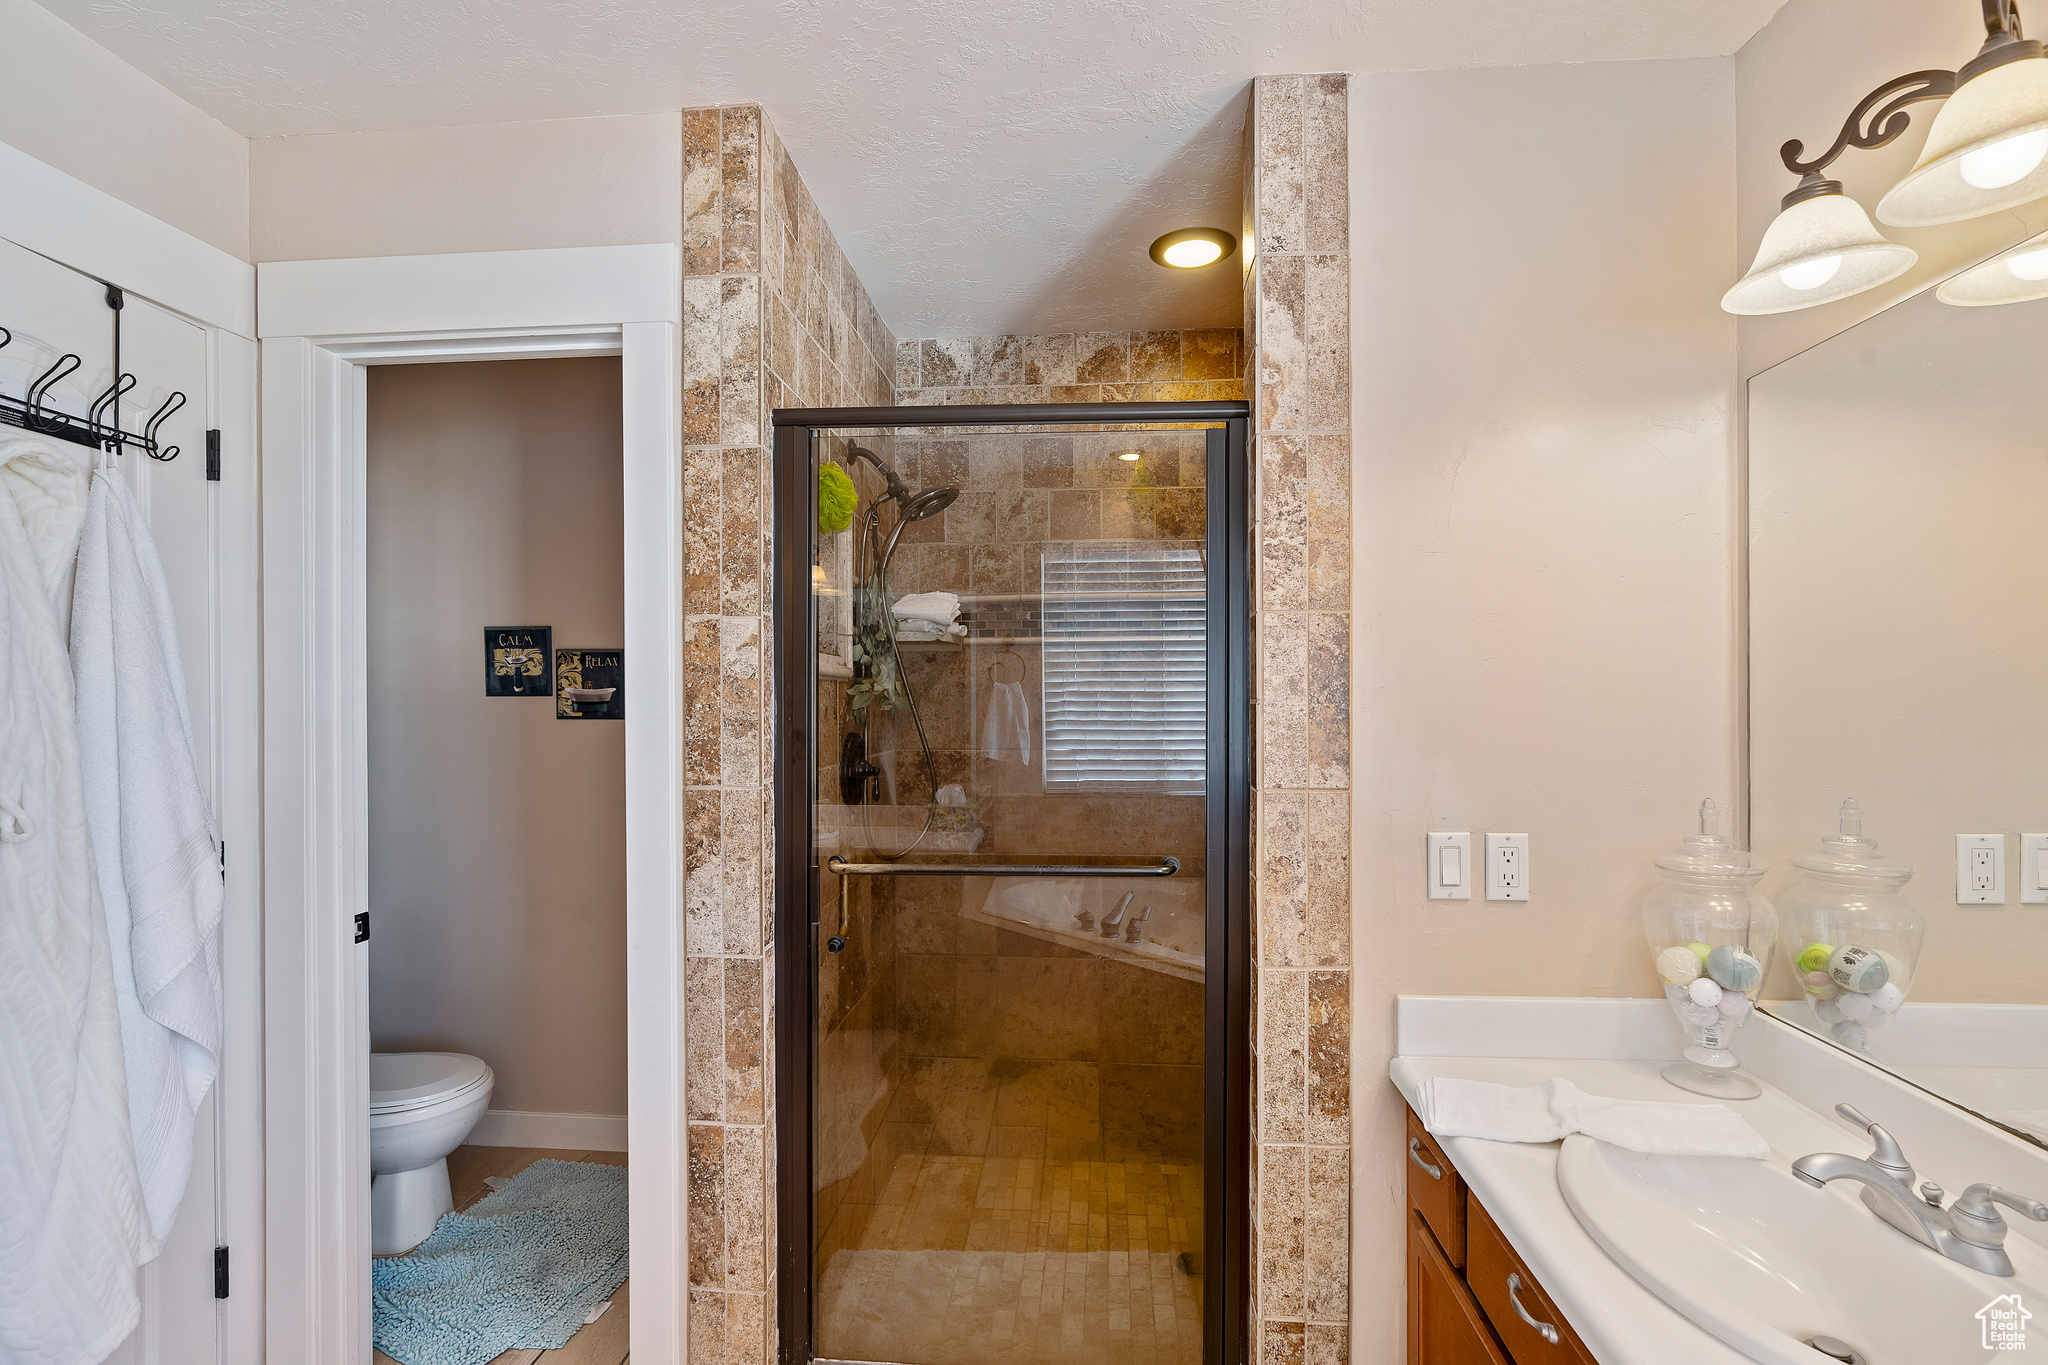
<point x="1112" y="922"/>
<point x="1131" y="930"/>
<point x="1970" y="1231"/>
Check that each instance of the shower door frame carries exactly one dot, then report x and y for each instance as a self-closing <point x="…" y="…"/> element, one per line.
<point x="1227" y="1052"/>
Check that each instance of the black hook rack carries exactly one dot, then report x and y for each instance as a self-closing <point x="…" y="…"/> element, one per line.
<point x="100" y="428"/>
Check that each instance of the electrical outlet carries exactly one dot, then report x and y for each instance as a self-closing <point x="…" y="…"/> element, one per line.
<point x="1450" y="867"/>
<point x="2034" y="869"/>
<point x="1980" y="869"/>
<point x="1507" y="867"/>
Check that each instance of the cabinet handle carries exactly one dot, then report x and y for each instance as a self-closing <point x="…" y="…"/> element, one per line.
<point x="1543" y="1329"/>
<point x="1436" y="1172"/>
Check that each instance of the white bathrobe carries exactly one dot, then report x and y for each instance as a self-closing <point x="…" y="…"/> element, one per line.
<point x="152" y="836"/>
<point x="72" y="1222"/>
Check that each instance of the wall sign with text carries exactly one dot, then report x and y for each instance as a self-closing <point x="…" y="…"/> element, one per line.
<point x="590" y="684"/>
<point x="519" y="661"/>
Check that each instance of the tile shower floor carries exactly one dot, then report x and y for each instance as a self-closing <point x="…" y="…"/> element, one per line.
<point x="965" y="1259"/>
<point x="602" y="1342"/>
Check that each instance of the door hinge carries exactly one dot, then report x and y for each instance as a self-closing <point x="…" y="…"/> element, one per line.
<point x="213" y="455"/>
<point x="220" y="1272"/>
<point x="363" y="927"/>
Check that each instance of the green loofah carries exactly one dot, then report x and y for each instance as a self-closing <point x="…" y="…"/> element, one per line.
<point x="836" y="499"/>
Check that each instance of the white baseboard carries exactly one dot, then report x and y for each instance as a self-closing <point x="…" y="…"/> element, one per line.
<point x="563" y="1132"/>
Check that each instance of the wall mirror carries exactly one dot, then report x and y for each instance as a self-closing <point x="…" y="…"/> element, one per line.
<point x="1898" y="695"/>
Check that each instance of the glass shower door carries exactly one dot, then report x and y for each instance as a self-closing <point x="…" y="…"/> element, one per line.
<point x="1012" y="827"/>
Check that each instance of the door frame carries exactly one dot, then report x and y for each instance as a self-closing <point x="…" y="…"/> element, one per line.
<point x="321" y="325"/>
<point x="1227" y="1178"/>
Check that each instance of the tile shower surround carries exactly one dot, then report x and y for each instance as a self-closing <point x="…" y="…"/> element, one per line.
<point x="773" y="316"/>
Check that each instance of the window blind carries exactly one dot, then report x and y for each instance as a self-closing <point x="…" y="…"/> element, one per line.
<point x="1125" y="666"/>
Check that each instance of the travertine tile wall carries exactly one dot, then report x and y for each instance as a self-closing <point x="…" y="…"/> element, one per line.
<point x="1297" y="290"/>
<point x="772" y="316"/>
<point x="1083" y="367"/>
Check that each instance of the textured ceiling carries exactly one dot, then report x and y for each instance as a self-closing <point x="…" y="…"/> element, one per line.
<point x="988" y="167"/>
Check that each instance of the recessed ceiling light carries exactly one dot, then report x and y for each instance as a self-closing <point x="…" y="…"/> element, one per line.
<point x="1130" y="454"/>
<point x="1192" y="248"/>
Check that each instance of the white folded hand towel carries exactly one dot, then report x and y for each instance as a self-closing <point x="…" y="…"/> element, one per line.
<point x="1547" y="1113"/>
<point x="940" y="608"/>
<point x="928" y="630"/>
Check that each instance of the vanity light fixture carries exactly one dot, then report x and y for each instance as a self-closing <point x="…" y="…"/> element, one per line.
<point x="1987" y="150"/>
<point x="1193" y="248"/>
<point x="2013" y="276"/>
<point x="1131" y="455"/>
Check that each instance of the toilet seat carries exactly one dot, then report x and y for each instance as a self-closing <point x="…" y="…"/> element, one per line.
<point x="404" y="1082"/>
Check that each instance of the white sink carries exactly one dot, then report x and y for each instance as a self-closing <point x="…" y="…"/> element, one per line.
<point x="1764" y="1261"/>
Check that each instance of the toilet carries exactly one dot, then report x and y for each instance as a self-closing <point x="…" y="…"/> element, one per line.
<point x="422" y="1105"/>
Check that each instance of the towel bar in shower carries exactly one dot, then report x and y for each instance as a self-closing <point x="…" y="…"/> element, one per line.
<point x="1159" y="867"/>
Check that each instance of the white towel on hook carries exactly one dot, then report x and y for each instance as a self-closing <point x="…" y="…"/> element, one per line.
<point x="73" y="1225"/>
<point x="152" y="835"/>
<point x="1006" y="730"/>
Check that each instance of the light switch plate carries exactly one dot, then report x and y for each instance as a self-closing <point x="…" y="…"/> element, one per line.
<point x="1450" y="867"/>
<point x="1507" y="867"/>
<point x="2034" y="869"/>
<point x="1980" y="869"/>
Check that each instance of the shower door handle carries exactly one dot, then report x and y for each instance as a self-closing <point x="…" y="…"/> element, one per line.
<point x="1157" y="867"/>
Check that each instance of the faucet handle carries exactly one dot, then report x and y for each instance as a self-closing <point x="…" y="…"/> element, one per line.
<point x="1886" y="1155"/>
<point x="1976" y="1221"/>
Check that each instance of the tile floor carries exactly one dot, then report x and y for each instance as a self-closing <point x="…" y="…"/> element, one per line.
<point x="968" y="1260"/>
<point x="601" y="1343"/>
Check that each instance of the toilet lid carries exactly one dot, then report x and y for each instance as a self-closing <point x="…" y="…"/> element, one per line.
<point x="408" y="1080"/>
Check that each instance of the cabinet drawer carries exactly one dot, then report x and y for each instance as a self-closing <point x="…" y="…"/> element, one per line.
<point x="1490" y="1266"/>
<point x="1435" y="1191"/>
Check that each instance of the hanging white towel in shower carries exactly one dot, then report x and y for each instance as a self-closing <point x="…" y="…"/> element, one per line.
<point x="1006" y="730"/>
<point x="152" y="836"/>
<point x="73" y="1226"/>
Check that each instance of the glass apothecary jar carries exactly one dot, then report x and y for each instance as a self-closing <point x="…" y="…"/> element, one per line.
<point x="1710" y="933"/>
<point x="1853" y="938"/>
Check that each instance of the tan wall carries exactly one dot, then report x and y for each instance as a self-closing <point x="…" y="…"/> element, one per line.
<point x="479" y="187"/>
<point x="72" y="104"/>
<point x="1799" y="77"/>
<point x="497" y="832"/>
<point x="1542" y="514"/>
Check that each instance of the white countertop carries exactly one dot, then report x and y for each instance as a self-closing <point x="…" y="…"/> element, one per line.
<point x="1621" y="1322"/>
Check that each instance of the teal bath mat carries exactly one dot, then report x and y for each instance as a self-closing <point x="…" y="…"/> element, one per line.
<point x="520" y="1269"/>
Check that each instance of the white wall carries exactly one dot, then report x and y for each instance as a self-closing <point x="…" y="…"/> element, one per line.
<point x="1544" y="578"/>
<point x="70" y="103"/>
<point x="482" y="187"/>
<point x="1799" y="77"/>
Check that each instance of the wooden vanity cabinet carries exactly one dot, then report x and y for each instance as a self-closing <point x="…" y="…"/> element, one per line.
<point x="1462" y="1304"/>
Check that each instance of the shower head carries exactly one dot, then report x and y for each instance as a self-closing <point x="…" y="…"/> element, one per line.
<point x="930" y="503"/>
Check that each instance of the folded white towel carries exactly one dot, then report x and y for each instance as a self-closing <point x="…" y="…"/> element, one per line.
<point x="929" y="630"/>
<point x="941" y="608"/>
<point x="1547" y="1113"/>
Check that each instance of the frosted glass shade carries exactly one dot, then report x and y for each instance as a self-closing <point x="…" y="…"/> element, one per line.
<point x="2010" y="277"/>
<point x="1796" y="247"/>
<point x="2005" y="102"/>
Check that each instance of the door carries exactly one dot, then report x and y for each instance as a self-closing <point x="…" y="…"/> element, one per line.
<point x="1023" y="809"/>
<point x="205" y="534"/>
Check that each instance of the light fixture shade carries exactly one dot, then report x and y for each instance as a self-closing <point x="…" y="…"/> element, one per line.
<point x="2005" y="102"/>
<point x="2002" y="279"/>
<point x="1806" y="235"/>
